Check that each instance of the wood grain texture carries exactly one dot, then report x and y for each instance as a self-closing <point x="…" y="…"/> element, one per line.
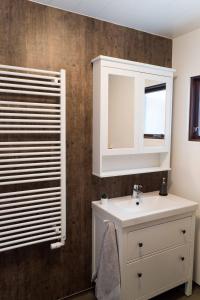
<point x="36" y="36"/>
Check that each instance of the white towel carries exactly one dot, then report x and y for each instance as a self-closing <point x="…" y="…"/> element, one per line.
<point x="108" y="271"/>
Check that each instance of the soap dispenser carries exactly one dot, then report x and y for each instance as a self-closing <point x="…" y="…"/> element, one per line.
<point x="163" y="187"/>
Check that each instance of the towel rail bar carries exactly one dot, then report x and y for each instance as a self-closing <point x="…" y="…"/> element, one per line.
<point x="25" y="225"/>
<point x="29" y="69"/>
<point x="41" y="200"/>
<point x="46" y="158"/>
<point x="29" y="153"/>
<point x="25" y="103"/>
<point x="29" y="175"/>
<point x="30" y="87"/>
<point x="29" y="198"/>
<point x="48" y="229"/>
<point x="29" y="93"/>
<point x="30" y="191"/>
<point x="29" y="180"/>
<point x="29" y="143"/>
<point x="27" y="115"/>
<point x="30" y="238"/>
<point x="9" y="79"/>
<point x="28" y="207"/>
<point x="52" y="110"/>
<point x="43" y="164"/>
<point x="35" y="242"/>
<point x="29" y="126"/>
<point x="29" y="148"/>
<point x="29" y="131"/>
<point x="29" y="121"/>
<point x="20" y="74"/>
<point x="29" y="213"/>
<point x="38" y="216"/>
<point x="51" y="224"/>
<point x="29" y="170"/>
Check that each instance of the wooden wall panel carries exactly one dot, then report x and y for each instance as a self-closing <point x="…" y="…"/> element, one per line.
<point x="33" y="35"/>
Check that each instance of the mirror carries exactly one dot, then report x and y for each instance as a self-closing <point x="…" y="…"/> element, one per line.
<point x="154" y="119"/>
<point x="120" y="111"/>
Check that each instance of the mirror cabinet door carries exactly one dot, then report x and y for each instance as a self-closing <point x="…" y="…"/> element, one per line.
<point x="121" y="106"/>
<point x="154" y="127"/>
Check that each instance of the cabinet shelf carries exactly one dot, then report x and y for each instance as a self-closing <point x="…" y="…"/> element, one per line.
<point x="130" y="172"/>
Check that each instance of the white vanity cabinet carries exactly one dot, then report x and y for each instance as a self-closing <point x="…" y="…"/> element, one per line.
<point x="155" y="249"/>
<point x="158" y="258"/>
<point x="131" y="117"/>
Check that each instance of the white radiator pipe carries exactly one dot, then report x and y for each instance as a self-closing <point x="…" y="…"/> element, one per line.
<point x="56" y="245"/>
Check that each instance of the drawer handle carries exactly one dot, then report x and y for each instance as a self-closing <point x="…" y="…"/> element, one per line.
<point x="183" y="231"/>
<point x="182" y="258"/>
<point x="140" y="245"/>
<point x="139" y="275"/>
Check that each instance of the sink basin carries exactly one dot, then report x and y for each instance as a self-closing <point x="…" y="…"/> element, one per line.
<point x="151" y="206"/>
<point x="144" y="204"/>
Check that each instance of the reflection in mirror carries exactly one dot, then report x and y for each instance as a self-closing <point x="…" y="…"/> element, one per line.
<point x="120" y="112"/>
<point x="154" y="121"/>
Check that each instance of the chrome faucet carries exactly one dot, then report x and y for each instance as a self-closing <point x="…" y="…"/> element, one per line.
<point x="137" y="191"/>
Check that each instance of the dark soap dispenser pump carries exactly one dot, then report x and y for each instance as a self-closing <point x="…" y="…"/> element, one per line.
<point x="163" y="188"/>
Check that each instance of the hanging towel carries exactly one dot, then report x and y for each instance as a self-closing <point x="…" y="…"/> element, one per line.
<point x="107" y="277"/>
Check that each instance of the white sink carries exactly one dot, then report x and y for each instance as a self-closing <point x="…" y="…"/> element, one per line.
<point x="145" y="204"/>
<point x="151" y="206"/>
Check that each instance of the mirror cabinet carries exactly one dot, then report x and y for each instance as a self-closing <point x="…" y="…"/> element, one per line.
<point x="132" y="107"/>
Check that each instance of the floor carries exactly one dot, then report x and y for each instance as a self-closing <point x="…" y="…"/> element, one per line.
<point x="175" y="294"/>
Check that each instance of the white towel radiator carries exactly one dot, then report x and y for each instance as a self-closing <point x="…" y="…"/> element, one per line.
<point x="32" y="157"/>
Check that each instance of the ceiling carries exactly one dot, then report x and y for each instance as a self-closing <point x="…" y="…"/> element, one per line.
<point x="169" y="18"/>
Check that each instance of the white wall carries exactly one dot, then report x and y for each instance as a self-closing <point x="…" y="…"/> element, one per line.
<point x="185" y="175"/>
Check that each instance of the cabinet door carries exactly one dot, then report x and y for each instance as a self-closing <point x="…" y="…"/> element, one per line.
<point x="156" y="117"/>
<point x="120" y="110"/>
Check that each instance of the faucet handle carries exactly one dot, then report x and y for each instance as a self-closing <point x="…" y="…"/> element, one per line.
<point x="137" y="187"/>
<point x="140" y="186"/>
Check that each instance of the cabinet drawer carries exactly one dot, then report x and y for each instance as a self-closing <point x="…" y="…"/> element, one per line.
<point x="159" y="237"/>
<point x="149" y="275"/>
